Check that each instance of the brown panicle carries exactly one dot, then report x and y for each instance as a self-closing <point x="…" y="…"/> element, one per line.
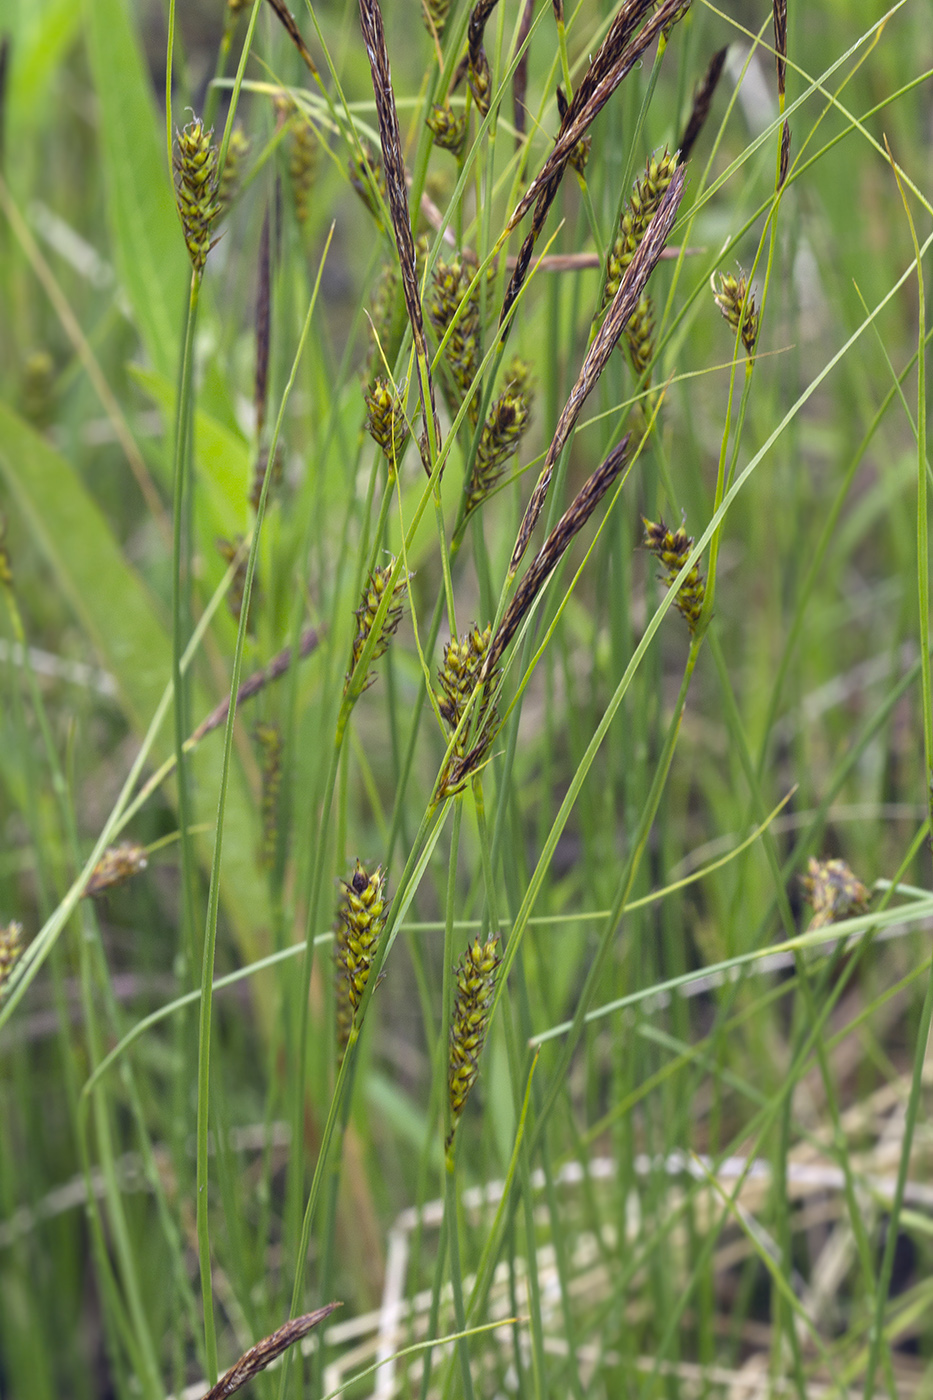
<point x="614" y="60"/>
<point x="520" y="78"/>
<point x="291" y="29"/>
<point x="621" y="308"/>
<point x="549" y="555"/>
<point x="397" y="192"/>
<point x="702" y="101"/>
<point x="266" y="1351"/>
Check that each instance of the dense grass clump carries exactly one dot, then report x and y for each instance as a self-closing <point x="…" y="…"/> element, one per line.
<point x="466" y="735"/>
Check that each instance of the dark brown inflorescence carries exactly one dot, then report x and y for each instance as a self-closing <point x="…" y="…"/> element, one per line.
<point x="268" y="736"/>
<point x="672" y="548"/>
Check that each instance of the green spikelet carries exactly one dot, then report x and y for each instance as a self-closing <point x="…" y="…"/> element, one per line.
<point x="196" y="189"/>
<point x="434" y="13"/>
<point x="476" y="984"/>
<point x="385" y="420"/>
<point x="637" y="215"/>
<point x="361" y="919"/>
<point x="448" y="127"/>
<point x="365" y="616"/>
<point x="268" y="736"/>
<point x="730" y="296"/>
<point x="505" y="426"/>
<point x="464" y="658"/>
<point x="302" y="166"/>
<point x="11" y="945"/>
<point x="237" y="151"/>
<point x="639" y="336"/>
<point x="672" y="548"/>
<point x="449" y="288"/>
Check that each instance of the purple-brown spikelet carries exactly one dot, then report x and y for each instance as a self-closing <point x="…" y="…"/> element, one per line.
<point x="833" y="891"/>
<point x="475" y="987"/>
<point x="258" y="1357"/>
<point x="361" y="919"/>
<point x="621" y="308"/>
<point x="555" y="546"/>
<point x="736" y="301"/>
<point x="259" y="474"/>
<point x="581" y="151"/>
<point x="196" y="189"/>
<point x="672" y="548"/>
<point x="368" y="179"/>
<point x="11" y="946"/>
<point x="366" y="614"/>
<point x="702" y="102"/>
<point x="118" y="863"/>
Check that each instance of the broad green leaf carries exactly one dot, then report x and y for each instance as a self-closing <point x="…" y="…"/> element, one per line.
<point x="149" y="248"/>
<point x="132" y="640"/>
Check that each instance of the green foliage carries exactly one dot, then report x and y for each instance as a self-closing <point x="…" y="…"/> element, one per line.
<point x="628" y="1034"/>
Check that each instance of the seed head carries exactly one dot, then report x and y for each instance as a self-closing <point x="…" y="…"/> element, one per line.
<point x="237" y="151"/>
<point x="449" y="128"/>
<point x="449" y="289"/>
<point x="637" y="215"/>
<point x="581" y="152"/>
<point x="302" y="165"/>
<point x="365" y="616"/>
<point x="672" y="548"/>
<point x="434" y="13"/>
<point x="736" y="301"/>
<point x="196" y="189"/>
<point x="639" y="336"/>
<point x="11" y="945"/>
<point x="268" y="736"/>
<point x="259" y="474"/>
<point x="833" y="891"/>
<point x="118" y="863"/>
<point x="385" y="420"/>
<point x="502" y="433"/>
<point x="232" y="551"/>
<point x="361" y="919"/>
<point x="476" y="984"/>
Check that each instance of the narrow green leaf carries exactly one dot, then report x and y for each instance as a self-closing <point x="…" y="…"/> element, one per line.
<point x="148" y="245"/>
